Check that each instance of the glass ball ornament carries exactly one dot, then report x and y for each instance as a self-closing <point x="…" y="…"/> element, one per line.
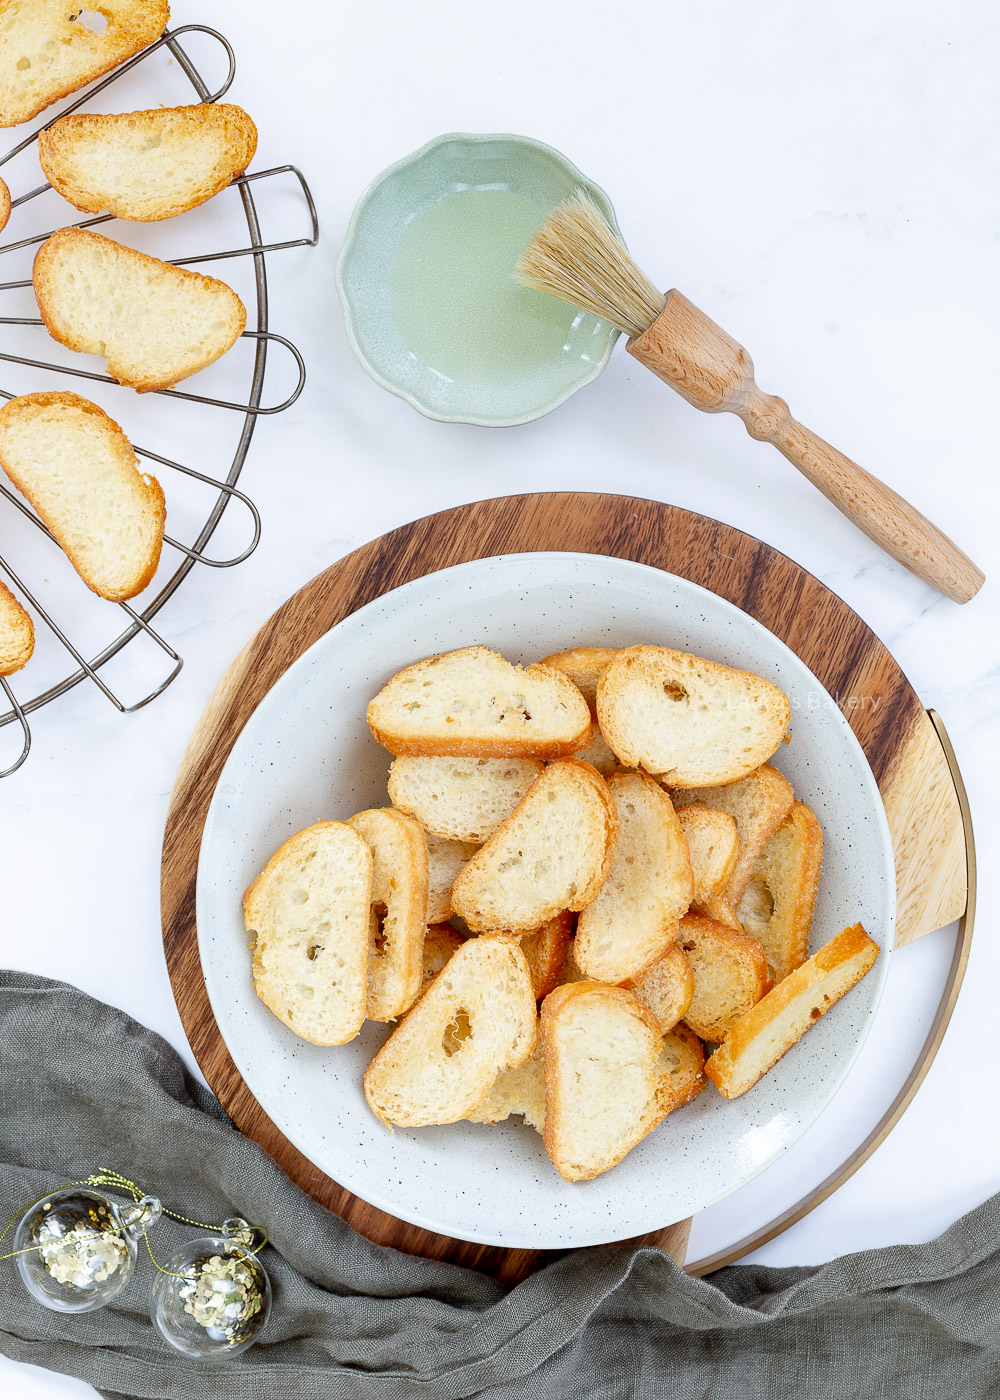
<point x="79" y="1247"/>
<point x="215" y="1295"/>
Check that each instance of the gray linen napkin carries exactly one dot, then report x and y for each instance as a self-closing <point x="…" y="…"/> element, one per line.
<point x="82" y="1086"/>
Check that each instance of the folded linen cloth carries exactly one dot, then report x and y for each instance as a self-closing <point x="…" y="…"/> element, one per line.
<point x="83" y="1086"/>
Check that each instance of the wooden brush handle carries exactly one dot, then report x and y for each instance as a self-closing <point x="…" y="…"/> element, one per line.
<point x="689" y="351"/>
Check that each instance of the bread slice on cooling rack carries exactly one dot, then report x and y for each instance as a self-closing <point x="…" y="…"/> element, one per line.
<point x="17" y="635"/>
<point x="154" y="323"/>
<point x="477" y="1018"/>
<point x="464" y="799"/>
<point x="473" y="702"/>
<point x="49" y="48"/>
<point x="398" y="909"/>
<point x="5" y="205"/>
<point x="308" y="911"/>
<point x="78" y="470"/>
<point x="147" y="165"/>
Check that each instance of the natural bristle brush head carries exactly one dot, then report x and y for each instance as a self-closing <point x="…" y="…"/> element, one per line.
<point x="577" y="256"/>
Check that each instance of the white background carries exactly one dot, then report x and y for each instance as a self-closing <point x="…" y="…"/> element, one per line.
<point x="823" y="183"/>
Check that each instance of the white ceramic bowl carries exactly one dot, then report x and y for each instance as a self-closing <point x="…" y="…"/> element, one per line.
<point x="306" y="754"/>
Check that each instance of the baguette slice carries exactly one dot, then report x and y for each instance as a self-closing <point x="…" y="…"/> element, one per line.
<point x="682" y="1063"/>
<point x="444" y="861"/>
<point x="778" y="903"/>
<point x="516" y="1091"/>
<point x="464" y="799"/>
<point x="5" y="205"/>
<point x="599" y="754"/>
<point x="668" y="987"/>
<point x="690" y="721"/>
<point x="76" y="467"/>
<point x="730" y="975"/>
<point x="476" y="1018"/>
<point x="441" y="941"/>
<point x="545" y="953"/>
<point x="472" y="702"/>
<point x="398" y="910"/>
<point x="631" y="923"/>
<point x="155" y="324"/>
<point x="603" y="1077"/>
<point x="309" y="909"/>
<point x="585" y="666"/>
<point x="17" y="635"/>
<point x="758" y="803"/>
<point x="552" y="853"/>
<point x="756" y="1042"/>
<point x="713" y="844"/>
<point x="48" y="51"/>
<point x="147" y="165"/>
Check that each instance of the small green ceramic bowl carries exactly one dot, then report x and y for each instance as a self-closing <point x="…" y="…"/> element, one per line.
<point x="382" y="329"/>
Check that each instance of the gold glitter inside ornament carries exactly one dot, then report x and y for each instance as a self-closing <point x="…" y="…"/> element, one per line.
<point x="214" y="1297"/>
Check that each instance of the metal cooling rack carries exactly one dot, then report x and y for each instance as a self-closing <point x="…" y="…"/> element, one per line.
<point x="139" y="623"/>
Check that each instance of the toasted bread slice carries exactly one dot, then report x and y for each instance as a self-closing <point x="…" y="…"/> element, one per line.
<point x="76" y="467"/>
<point x="758" y="803"/>
<point x="444" y="860"/>
<point x="690" y="721"/>
<point x="757" y="1040"/>
<point x="17" y="635"/>
<point x="155" y="324"/>
<point x="516" y="1091"/>
<point x="631" y="923"/>
<point x="571" y="971"/>
<point x="603" y="1077"/>
<point x="545" y="951"/>
<point x="309" y="909"/>
<point x="713" y="844"/>
<point x="48" y="48"/>
<point x="682" y="1063"/>
<point x="440" y="942"/>
<point x="730" y="974"/>
<point x="473" y="703"/>
<point x="585" y="666"/>
<point x="717" y="907"/>
<point x="464" y="799"/>
<point x="599" y="754"/>
<point x="399" y="909"/>
<point x="476" y="1018"/>
<point x="552" y="853"/>
<point x="778" y="902"/>
<point x="5" y="205"/>
<point x="668" y="987"/>
<point x="147" y="165"/>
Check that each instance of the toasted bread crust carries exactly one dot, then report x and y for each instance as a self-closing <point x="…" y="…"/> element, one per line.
<point x="744" y="975"/>
<point x="545" y="952"/>
<point x="62" y="153"/>
<point x="5" y="205"/>
<point x="399" y="893"/>
<point x="682" y="1085"/>
<point x="668" y="988"/>
<point x="17" y="634"/>
<point x="142" y="491"/>
<point x="786" y="877"/>
<point x="137" y="272"/>
<point x="82" y="54"/>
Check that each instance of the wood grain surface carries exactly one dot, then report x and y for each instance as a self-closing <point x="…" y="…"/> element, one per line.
<point x="881" y="706"/>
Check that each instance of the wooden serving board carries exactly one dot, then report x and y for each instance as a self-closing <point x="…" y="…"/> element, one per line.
<point x="881" y="706"/>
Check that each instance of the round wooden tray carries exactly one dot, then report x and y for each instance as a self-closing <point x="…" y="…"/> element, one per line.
<point x="909" y="759"/>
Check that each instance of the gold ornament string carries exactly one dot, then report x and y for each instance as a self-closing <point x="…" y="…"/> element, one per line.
<point x="106" y="1177"/>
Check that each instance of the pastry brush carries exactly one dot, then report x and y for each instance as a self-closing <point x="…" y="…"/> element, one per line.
<point x="577" y="256"/>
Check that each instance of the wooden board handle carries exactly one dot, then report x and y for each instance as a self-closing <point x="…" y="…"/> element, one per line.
<point x="687" y="350"/>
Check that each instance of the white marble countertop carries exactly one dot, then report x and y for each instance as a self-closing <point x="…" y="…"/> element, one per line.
<point x="822" y="184"/>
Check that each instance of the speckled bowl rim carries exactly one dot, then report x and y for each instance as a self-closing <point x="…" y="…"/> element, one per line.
<point x="358" y="1178"/>
<point x="475" y="420"/>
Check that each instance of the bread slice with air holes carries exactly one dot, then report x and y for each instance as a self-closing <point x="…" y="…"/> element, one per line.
<point x="552" y="853"/>
<point x="150" y="165"/>
<point x="440" y="942"/>
<point x="682" y="1064"/>
<point x="477" y="1018"/>
<point x="444" y="861"/>
<point x="730" y="974"/>
<point x="155" y="324"/>
<point x="398" y="909"/>
<point x="585" y="666"/>
<point x="519" y="1091"/>
<point x="17" y="635"/>
<point x="713" y="844"/>
<point x="631" y="923"/>
<point x="308" y="911"/>
<point x="49" y="48"/>
<point x="757" y="1041"/>
<point x="690" y="721"/>
<point x="78" y="470"/>
<point x="778" y="902"/>
<point x="603" y="1077"/>
<point x="464" y="799"/>
<point x="758" y="803"/>
<point x="668" y="987"/>
<point x="472" y="702"/>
